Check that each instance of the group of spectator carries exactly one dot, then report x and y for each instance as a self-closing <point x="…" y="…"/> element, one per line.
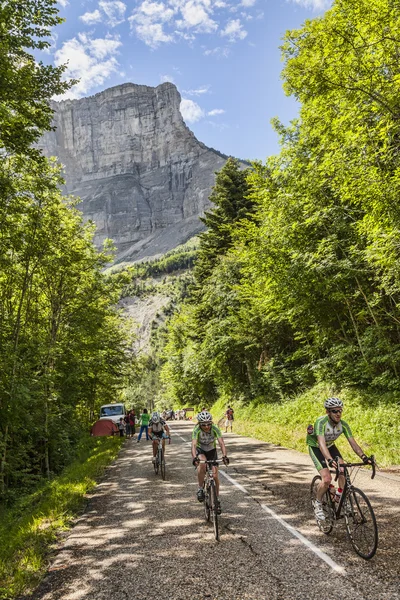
<point x="127" y="424"/>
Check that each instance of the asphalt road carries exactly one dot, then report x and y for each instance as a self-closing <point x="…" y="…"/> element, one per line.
<point x="142" y="538"/>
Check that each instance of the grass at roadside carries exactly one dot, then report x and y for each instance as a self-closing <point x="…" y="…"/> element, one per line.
<point x="29" y="529"/>
<point x="374" y="421"/>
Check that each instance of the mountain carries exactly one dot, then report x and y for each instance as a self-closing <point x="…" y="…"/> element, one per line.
<point x="141" y="174"/>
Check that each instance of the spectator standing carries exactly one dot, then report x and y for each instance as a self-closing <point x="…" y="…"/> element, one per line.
<point x="144" y="424"/>
<point x="127" y="425"/>
<point x="121" y="427"/>
<point x="229" y="418"/>
<point x="132" y="422"/>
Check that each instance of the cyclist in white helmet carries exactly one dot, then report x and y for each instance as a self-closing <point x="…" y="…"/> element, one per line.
<point x="158" y="429"/>
<point x="204" y="447"/>
<point x="321" y="445"/>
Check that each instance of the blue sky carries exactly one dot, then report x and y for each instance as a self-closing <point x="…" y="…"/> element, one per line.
<point x="223" y="56"/>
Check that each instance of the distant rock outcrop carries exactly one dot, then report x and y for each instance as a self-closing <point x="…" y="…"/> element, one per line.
<point x="143" y="177"/>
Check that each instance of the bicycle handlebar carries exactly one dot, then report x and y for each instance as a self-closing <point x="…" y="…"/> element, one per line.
<point x="214" y="463"/>
<point x="371" y="461"/>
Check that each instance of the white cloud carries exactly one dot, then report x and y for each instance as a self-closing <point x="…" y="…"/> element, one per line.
<point x="114" y="10"/>
<point x="204" y="89"/>
<point x="191" y="111"/>
<point x="165" y="21"/>
<point x="215" y="112"/>
<point x="234" y="31"/>
<point x="90" y="18"/>
<point x="316" y="5"/>
<point x="165" y="78"/>
<point x="148" y="21"/>
<point x="196" y="16"/>
<point x="220" y="52"/>
<point x="91" y="61"/>
<point x="63" y="3"/>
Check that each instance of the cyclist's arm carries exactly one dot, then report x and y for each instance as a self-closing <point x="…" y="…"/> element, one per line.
<point x="222" y="446"/>
<point x="355" y="447"/>
<point x="323" y="447"/>
<point x="194" y="446"/>
<point x="167" y="429"/>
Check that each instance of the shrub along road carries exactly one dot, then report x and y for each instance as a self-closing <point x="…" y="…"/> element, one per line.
<point x="145" y="538"/>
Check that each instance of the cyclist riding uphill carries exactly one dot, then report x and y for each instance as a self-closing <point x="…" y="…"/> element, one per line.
<point x="204" y="447"/>
<point x="158" y="429"/>
<point x="321" y="445"/>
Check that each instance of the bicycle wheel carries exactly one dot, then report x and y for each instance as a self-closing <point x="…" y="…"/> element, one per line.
<point x="207" y="511"/>
<point x="162" y="463"/>
<point x="214" y="509"/>
<point x="361" y="523"/>
<point x="155" y="464"/>
<point x="328" y="507"/>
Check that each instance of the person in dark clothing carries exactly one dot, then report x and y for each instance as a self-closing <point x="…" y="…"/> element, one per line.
<point x="132" y="422"/>
<point x="127" y="425"/>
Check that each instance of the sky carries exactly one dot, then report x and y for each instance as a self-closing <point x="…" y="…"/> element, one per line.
<point x="223" y="56"/>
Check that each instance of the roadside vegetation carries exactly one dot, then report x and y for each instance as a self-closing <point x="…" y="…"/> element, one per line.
<point x="32" y="526"/>
<point x="64" y="347"/>
<point x="284" y="423"/>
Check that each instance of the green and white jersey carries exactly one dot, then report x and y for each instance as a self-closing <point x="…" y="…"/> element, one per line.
<point x="206" y="440"/>
<point x="323" y="426"/>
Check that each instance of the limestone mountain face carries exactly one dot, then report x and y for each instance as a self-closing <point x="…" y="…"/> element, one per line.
<point x="143" y="177"/>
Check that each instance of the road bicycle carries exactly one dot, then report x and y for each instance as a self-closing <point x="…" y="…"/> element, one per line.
<point x="159" y="463"/>
<point x="354" y="507"/>
<point x="211" y="507"/>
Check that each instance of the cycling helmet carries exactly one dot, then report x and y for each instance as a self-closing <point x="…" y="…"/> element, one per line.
<point x="155" y="417"/>
<point x="333" y="403"/>
<point x="204" y="417"/>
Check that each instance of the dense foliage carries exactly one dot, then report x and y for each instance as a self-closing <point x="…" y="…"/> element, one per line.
<point x="63" y="349"/>
<point x="304" y="287"/>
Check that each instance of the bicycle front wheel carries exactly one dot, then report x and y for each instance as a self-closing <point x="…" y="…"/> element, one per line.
<point x="326" y="525"/>
<point x="162" y="464"/>
<point x="155" y="464"/>
<point x="214" y="509"/>
<point x="361" y="523"/>
<point x="207" y="511"/>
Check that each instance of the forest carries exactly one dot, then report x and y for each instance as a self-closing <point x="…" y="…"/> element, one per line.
<point x="296" y="281"/>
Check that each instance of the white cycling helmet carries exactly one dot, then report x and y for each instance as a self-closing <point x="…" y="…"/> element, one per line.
<point x="204" y="417"/>
<point x="155" y="417"/>
<point x="333" y="403"/>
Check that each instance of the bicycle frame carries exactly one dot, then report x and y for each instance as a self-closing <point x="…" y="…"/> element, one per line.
<point x="348" y="485"/>
<point x="210" y="500"/>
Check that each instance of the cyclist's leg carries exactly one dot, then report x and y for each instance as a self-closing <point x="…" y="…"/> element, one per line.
<point x="201" y="469"/>
<point x="322" y="468"/>
<point x="216" y="479"/>
<point x="155" y="446"/>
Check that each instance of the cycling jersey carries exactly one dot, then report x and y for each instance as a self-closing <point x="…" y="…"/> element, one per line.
<point x="206" y="440"/>
<point x="157" y="428"/>
<point x="323" y="426"/>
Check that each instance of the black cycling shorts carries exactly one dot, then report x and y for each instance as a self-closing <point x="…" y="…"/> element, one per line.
<point x="209" y="454"/>
<point x="318" y="458"/>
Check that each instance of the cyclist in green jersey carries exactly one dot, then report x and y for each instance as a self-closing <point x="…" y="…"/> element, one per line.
<point x="321" y="445"/>
<point x="204" y="447"/>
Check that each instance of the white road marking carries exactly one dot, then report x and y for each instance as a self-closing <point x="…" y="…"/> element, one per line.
<point x="292" y="530"/>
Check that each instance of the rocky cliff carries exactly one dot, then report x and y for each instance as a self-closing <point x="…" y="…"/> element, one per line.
<point x="143" y="177"/>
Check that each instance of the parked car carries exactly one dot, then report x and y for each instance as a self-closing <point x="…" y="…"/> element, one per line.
<point x="112" y="411"/>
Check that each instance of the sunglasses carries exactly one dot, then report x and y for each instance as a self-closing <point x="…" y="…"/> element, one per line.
<point x="206" y="425"/>
<point x="335" y="412"/>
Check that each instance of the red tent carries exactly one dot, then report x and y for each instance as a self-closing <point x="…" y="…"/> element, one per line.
<point x="104" y="427"/>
